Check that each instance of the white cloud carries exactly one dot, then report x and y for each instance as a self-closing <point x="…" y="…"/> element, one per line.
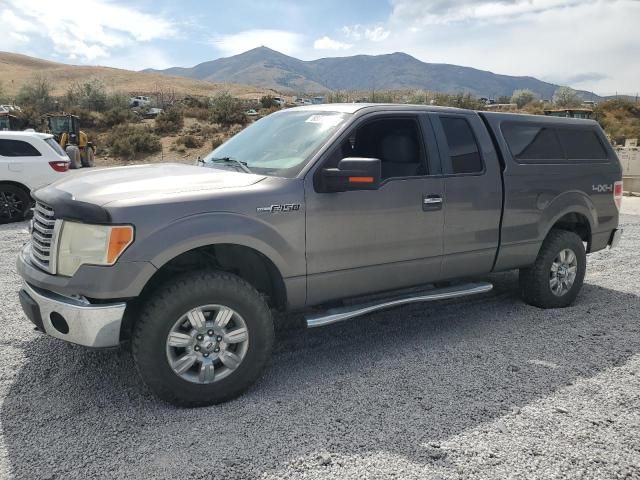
<point x="86" y="32"/>
<point x="554" y="40"/>
<point x="283" y="41"/>
<point x="326" y="43"/>
<point x="359" y="32"/>
<point x="450" y="11"/>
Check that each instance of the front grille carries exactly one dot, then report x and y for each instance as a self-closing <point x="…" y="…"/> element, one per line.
<point x="43" y="237"/>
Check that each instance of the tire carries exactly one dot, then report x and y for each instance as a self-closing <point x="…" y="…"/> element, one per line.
<point x="74" y="155"/>
<point x="88" y="159"/>
<point x="536" y="281"/>
<point x="167" y="307"/>
<point x="15" y="203"/>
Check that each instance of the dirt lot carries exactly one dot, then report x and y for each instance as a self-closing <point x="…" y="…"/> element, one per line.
<point x="483" y="388"/>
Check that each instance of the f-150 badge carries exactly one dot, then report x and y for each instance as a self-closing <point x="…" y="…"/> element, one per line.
<point x="284" y="208"/>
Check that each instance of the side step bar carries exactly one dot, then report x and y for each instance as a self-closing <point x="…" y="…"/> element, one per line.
<point x="345" y="313"/>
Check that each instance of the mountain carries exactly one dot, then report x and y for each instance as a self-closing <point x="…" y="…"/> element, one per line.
<point x="16" y="69"/>
<point x="270" y="69"/>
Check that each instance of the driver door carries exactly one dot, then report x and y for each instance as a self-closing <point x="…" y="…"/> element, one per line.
<point x="367" y="241"/>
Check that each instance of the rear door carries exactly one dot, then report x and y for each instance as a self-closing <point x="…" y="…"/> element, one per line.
<point x="374" y="240"/>
<point x="472" y="194"/>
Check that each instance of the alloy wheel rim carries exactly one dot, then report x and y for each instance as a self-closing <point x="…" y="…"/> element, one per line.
<point x="563" y="272"/>
<point x="207" y="343"/>
<point x="10" y="205"/>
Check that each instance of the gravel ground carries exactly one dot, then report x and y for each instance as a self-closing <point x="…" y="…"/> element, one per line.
<point x="483" y="388"/>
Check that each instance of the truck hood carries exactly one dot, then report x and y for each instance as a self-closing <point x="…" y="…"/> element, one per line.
<point x="141" y="182"/>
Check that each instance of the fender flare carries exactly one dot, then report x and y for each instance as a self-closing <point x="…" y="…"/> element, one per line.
<point x="574" y="201"/>
<point x="215" y="228"/>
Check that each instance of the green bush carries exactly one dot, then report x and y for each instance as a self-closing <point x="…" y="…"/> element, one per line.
<point x="116" y="116"/>
<point x="189" y="141"/>
<point x="169" y="121"/>
<point x="267" y="102"/>
<point x="227" y="110"/>
<point x="127" y="141"/>
<point x="36" y="95"/>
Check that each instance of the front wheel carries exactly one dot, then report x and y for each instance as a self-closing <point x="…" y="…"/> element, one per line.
<point x="203" y="338"/>
<point x="14" y="203"/>
<point x="556" y="277"/>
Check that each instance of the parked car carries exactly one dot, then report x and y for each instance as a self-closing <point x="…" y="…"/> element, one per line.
<point x="251" y="113"/>
<point x="28" y="160"/>
<point x="313" y="210"/>
<point x="139" y="101"/>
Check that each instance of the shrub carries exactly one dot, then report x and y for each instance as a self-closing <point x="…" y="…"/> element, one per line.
<point x="189" y="141"/>
<point x="216" y="142"/>
<point x="227" y="110"/>
<point x="36" y="95"/>
<point x="116" y="116"/>
<point x="199" y="113"/>
<point x="169" y="121"/>
<point x="127" y="141"/>
<point x="267" y="102"/>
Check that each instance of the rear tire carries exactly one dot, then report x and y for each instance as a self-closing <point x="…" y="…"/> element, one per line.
<point x="73" y="153"/>
<point x="15" y="203"/>
<point x="164" y="318"/>
<point x="556" y="277"/>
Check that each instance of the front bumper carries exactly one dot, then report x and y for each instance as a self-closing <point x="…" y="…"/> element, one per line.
<point x="73" y="320"/>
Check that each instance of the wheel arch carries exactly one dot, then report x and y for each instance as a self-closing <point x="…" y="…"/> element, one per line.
<point x="572" y="211"/>
<point x="246" y="262"/>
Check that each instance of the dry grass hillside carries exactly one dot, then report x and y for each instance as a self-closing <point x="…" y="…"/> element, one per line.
<point x="16" y="70"/>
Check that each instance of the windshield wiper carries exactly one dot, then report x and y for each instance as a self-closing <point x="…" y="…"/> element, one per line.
<point x="238" y="163"/>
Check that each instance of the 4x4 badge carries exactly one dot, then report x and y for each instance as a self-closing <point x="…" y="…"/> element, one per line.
<point x="285" y="207"/>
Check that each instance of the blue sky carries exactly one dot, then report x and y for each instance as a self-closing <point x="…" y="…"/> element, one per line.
<point x="589" y="44"/>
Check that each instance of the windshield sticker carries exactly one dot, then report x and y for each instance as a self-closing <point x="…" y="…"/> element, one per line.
<point x="327" y="120"/>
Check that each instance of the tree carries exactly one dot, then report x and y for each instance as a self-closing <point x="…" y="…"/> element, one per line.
<point x="566" y="97"/>
<point x="522" y="97"/>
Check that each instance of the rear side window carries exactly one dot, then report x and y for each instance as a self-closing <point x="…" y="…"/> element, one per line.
<point x="17" y="148"/>
<point x="545" y="144"/>
<point x="581" y="144"/>
<point x="53" y="144"/>
<point x="532" y="142"/>
<point x="463" y="149"/>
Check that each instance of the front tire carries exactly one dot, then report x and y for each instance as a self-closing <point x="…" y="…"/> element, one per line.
<point x="556" y="277"/>
<point x="203" y="338"/>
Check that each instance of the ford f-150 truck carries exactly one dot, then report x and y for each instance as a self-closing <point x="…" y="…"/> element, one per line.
<point x="332" y="211"/>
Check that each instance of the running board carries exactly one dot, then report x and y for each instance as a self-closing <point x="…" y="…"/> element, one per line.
<point x="345" y="313"/>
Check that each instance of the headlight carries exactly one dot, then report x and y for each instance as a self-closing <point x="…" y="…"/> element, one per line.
<point x="80" y="244"/>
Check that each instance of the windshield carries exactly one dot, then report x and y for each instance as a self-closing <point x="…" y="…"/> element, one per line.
<point x="60" y="124"/>
<point x="279" y="144"/>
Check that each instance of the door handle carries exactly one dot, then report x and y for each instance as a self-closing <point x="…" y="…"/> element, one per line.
<point x="431" y="202"/>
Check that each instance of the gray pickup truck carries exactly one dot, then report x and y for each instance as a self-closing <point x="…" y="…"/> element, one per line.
<point x="333" y="211"/>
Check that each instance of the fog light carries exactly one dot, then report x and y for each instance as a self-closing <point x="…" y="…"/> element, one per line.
<point x="59" y="323"/>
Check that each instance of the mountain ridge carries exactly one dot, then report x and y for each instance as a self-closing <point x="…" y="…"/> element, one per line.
<point x="268" y="68"/>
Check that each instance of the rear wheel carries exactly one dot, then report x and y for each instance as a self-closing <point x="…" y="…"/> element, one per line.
<point x="14" y="203"/>
<point x="556" y="277"/>
<point x="73" y="153"/>
<point x="203" y="338"/>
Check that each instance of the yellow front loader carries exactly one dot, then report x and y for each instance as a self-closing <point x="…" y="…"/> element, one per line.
<point x="66" y="130"/>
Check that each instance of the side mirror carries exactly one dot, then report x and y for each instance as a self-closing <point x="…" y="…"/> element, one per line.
<point x="352" y="174"/>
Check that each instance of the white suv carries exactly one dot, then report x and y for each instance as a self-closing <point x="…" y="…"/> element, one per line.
<point x="28" y="161"/>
